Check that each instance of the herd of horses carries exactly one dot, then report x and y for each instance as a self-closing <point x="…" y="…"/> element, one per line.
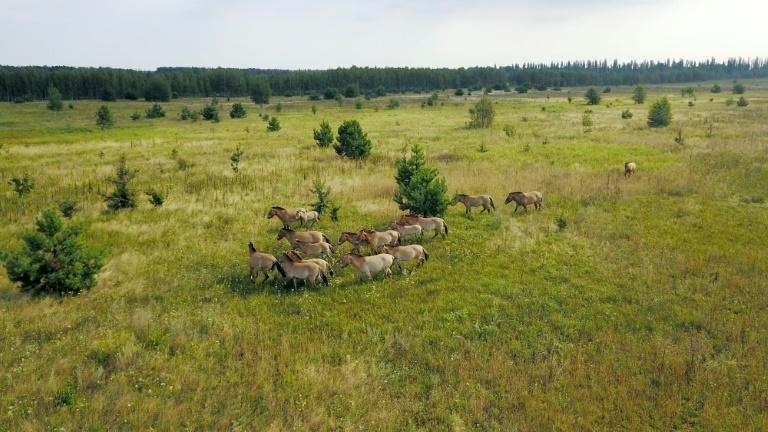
<point x="385" y="248"/>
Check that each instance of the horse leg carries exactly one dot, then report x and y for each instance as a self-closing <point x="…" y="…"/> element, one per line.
<point x="516" y="206"/>
<point x="437" y="232"/>
<point x="266" y="276"/>
<point x="295" y="287"/>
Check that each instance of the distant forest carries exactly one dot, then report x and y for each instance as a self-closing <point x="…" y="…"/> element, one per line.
<point x="27" y="83"/>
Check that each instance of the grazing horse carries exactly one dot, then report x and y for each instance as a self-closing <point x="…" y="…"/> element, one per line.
<point x="309" y="218"/>
<point x="377" y="239"/>
<point x="313" y="248"/>
<point x="262" y="262"/>
<point x="309" y="272"/>
<point x="629" y="168"/>
<point x="305" y="236"/>
<point x="353" y="239"/>
<point x="324" y="266"/>
<point x="524" y="199"/>
<point x="367" y="265"/>
<point x="407" y="253"/>
<point x="475" y="201"/>
<point x="435" y="224"/>
<point x="408" y="230"/>
<point x="286" y="215"/>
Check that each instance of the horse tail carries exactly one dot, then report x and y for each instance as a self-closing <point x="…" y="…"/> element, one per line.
<point x="493" y="206"/>
<point x="326" y="239"/>
<point x="426" y="255"/>
<point x="324" y="278"/>
<point x="445" y="227"/>
<point x="276" y="266"/>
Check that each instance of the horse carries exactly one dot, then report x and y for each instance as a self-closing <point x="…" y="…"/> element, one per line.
<point x="524" y="199"/>
<point x="309" y="272"/>
<point x="324" y="266"/>
<point x="408" y="230"/>
<point x="377" y="239"/>
<point x="309" y="216"/>
<point x="262" y="262"/>
<point x="629" y="168"/>
<point x="313" y="248"/>
<point x="305" y="236"/>
<point x="435" y="224"/>
<point x="286" y="215"/>
<point x="407" y="253"/>
<point x="475" y="201"/>
<point x="353" y="239"/>
<point x="367" y="265"/>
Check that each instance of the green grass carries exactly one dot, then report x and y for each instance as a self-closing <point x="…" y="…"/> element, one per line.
<point x="646" y="312"/>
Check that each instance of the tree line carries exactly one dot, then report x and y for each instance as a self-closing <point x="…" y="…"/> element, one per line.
<point x="32" y="82"/>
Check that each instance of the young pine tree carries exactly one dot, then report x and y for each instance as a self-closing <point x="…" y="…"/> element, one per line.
<point x="351" y="141"/>
<point x="420" y="190"/>
<point x="660" y="114"/>
<point x="122" y="197"/>
<point x="53" y="259"/>
<point x="54" y="98"/>
<point x="324" y="135"/>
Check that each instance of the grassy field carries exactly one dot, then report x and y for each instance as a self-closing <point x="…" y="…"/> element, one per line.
<point x="646" y="312"/>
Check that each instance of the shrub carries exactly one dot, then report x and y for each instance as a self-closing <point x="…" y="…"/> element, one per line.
<point x="155" y="198"/>
<point x="53" y="259"/>
<point x="562" y="224"/>
<point x="234" y="159"/>
<point x="679" y="139"/>
<point x="715" y="89"/>
<point x="570" y="99"/>
<point x="481" y="116"/>
<point x="432" y="100"/>
<point x="351" y="141"/>
<point x="638" y="94"/>
<point x="108" y="95"/>
<point x="156" y="111"/>
<point x="314" y="109"/>
<point x="393" y="103"/>
<point x="690" y="103"/>
<point x="739" y="88"/>
<point x="687" y="91"/>
<point x="510" y="131"/>
<point x="211" y="111"/>
<point x="22" y="185"/>
<point x="420" y="190"/>
<point x="261" y="92"/>
<point x="592" y="96"/>
<point x="104" y="118"/>
<point x="279" y="107"/>
<point x="742" y="102"/>
<point x="68" y="208"/>
<point x="66" y="395"/>
<point x="131" y="95"/>
<point x="458" y="92"/>
<point x="273" y="125"/>
<point x="157" y="90"/>
<point x="359" y="105"/>
<point x="122" y="197"/>
<point x="729" y="102"/>
<point x="54" y="98"/>
<point x="323" y="193"/>
<point x="237" y="111"/>
<point x="352" y="91"/>
<point x="324" y="135"/>
<point x="330" y="93"/>
<point x="626" y="114"/>
<point x="586" y="121"/>
<point x="185" y="113"/>
<point x="660" y="114"/>
<point x="136" y="116"/>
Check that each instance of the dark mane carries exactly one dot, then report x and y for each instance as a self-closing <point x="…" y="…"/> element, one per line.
<point x="461" y="195"/>
<point x="287" y="229"/>
<point x="277" y="208"/>
<point x="251" y="249"/>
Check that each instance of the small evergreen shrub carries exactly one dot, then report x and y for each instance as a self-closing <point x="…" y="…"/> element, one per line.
<point x="54" y="99"/>
<point x="626" y="114"/>
<point x="715" y="89"/>
<point x="155" y="198"/>
<point x="660" y="114"/>
<point x="592" y="96"/>
<point x="638" y="94"/>
<point x="237" y="111"/>
<point x="742" y="102"/>
<point x="324" y="135"/>
<point x="482" y="114"/>
<point x="156" y="111"/>
<point x="210" y="112"/>
<point x="739" y="88"/>
<point x="122" y="197"/>
<point x="53" y="259"/>
<point x="104" y="119"/>
<point x="22" y="185"/>
<point x="234" y="159"/>
<point x="351" y="141"/>
<point x="136" y="116"/>
<point x="273" y="125"/>
<point x="68" y="208"/>
<point x="393" y="103"/>
<point x="420" y="190"/>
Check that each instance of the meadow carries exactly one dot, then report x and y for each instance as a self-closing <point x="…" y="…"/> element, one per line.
<point x="624" y="304"/>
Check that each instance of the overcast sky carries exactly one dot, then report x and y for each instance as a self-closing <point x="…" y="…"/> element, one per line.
<point x="145" y="34"/>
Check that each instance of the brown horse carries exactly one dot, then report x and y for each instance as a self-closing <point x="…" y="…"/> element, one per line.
<point x="525" y="199"/>
<point x="435" y="224"/>
<point x="377" y="239"/>
<point x="262" y="263"/>
<point x="629" y="168"/>
<point x="353" y="239"/>
<point x="310" y="273"/>
<point x="305" y="236"/>
<point x="286" y="215"/>
<point x="484" y="201"/>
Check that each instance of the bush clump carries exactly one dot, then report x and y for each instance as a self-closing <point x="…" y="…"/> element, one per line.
<point x="104" y="119"/>
<point x="155" y="198"/>
<point x="324" y="135"/>
<point x="660" y="114"/>
<point x="592" y="96"/>
<point x="54" y="99"/>
<point x="53" y="259"/>
<point x="156" y="111"/>
<point x="481" y="115"/>
<point x="638" y="94"/>
<point x="351" y="141"/>
<point x="122" y="197"/>
<point x="742" y="102"/>
<point x="420" y="190"/>
<point x="273" y="125"/>
<point x="237" y="111"/>
<point x="22" y="185"/>
<point x="626" y="114"/>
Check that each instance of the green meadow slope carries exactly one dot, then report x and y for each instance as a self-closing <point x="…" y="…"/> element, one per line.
<point x="646" y="312"/>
